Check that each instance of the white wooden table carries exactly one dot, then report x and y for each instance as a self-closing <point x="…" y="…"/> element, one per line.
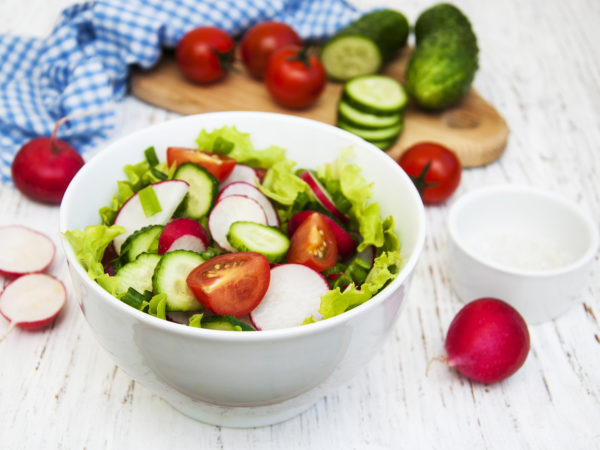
<point x="540" y="67"/>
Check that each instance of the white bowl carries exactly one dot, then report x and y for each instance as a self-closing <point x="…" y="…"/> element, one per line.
<point x="523" y="245"/>
<point x="256" y="378"/>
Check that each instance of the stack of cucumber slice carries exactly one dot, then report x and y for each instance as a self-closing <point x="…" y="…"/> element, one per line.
<point x="372" y="107"/>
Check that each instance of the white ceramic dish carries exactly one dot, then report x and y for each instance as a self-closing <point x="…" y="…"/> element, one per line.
<point x="523" y="245"/>
<point x="243" y="379"/>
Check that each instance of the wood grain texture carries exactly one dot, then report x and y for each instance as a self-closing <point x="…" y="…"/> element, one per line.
<point x="472" y="128"/>
<point x="540" y="68"/>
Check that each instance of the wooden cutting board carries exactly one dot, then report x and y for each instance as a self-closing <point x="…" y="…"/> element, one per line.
<point x="473" y="128"/>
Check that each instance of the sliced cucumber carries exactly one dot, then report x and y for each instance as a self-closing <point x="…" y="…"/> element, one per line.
<point x="141" y="241"/>
<point x="353" y="116"/>
<point x="137" y="274"/>
<point x="365" y="45"/>
<point x="255" y="237"/>
<point x="384" y="144"/>
<point x="202" y="192"/>
<point x="369" y="134"/>
<point x="226" y="323"/>
<point x="170" y="278"/>
<point x="375" y="94"/>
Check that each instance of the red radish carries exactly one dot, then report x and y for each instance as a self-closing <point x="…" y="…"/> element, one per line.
<point x="169" y="193"/>
<point x="251" y="191"/>
<point x="345" y="243"/>
<point x="487" y="341"/>
<point x="183" y="234"/>
<point x="294" y="294"/>
<point x="32" y="301"/>
<point x="24" y="251"/>
<point x="232" y="209"/>
<point x="241" y="172"/>
<point x="44" y="167"/>
<point x="322" y="195"/>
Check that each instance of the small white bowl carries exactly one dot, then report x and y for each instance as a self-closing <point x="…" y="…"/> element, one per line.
<point x="526" y="246"/>
<point x="255" y="378"/>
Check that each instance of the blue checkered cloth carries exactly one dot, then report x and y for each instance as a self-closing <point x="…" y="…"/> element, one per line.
<point x="83" y="66"/>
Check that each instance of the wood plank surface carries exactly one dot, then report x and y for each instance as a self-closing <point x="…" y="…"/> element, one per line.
<point x="540" y="68"/>
<point x="473" y="128"/>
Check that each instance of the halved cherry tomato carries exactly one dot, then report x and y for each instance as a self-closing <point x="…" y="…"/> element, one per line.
<point x="217" y="164"/>
<point x="313" y="244"/>
<point x="233" y="283"/>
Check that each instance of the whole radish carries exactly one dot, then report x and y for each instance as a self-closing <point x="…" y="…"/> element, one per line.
<point x="487" y="341"/>
<point x="44" y="167"/>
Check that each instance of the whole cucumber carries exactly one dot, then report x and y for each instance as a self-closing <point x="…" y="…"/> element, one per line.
<point x="364" y="46"/>
<point x="443" y="66"/>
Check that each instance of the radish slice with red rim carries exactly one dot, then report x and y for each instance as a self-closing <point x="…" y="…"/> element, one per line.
<point x="32" y="301"/>
<point x="250" y="191"/>
<point x="322" y="195"/>
<point x="241" y="172"/>
<point x="24" y="251"/>
<point x="294" y="294"/>
<point x="228" y="210"/>
<point x="183" y="234"/>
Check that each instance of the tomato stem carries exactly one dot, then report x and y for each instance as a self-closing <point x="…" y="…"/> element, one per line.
<point x="226" y="60"/>
<point x="419" y="181"/>
<point x="303" y="56"/>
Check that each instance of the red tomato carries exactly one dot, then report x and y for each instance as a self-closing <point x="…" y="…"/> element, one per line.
<point x="217" y="164"/>
<point x="260" y="41"/>
<point x="313" y="244"/>
<point x="293" y="78"/>
<point x="233" y="283"/>
<point x="205" y="54"/>
<point x="434" y="169"/>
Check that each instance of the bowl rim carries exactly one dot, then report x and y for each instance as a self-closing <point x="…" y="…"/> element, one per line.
<point x="264" y="335"/>
<point x="463" y="203"/>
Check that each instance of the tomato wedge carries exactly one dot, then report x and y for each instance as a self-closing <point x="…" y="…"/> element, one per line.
<point x="313" y="244"/>
<point x="233" y="283"/>
<point x="217" y="164"/>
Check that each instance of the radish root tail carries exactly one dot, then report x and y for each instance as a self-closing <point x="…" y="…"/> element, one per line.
<point x="442" y="359"/>
<point x="8" y="330"/>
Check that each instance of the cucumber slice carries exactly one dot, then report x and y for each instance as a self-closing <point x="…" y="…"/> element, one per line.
<point x="202" y="192"/>
<point x="365" y="45"/>
<point x="370" y="134"/>
<point x="170" y="278"/>
<point x="137" y="274"/>
<point x="375" y="94"/>
<point x="141" y="241"/>
<point x="384" y="144"/>
<point x="255" y="237"/>
<point x="226" y="323"/>
<point x="353" y="116"/>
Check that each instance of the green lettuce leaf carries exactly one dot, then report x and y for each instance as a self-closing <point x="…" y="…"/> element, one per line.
<point x="232" y="142"/>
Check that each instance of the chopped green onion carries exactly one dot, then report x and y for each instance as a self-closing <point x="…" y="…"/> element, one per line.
<point x="149" y="201"/>
<point x="196" y="320"/>
<point x="158" y="174"/>
<point x="136" y="299"/>
<point x="151" y="157"/>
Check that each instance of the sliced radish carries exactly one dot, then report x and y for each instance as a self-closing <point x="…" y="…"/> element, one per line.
<point x="183" y="234"/>
<point x="231" y="209"/>
<point x="241" y="172"/>
<point x="24" y="250"/>
<point x="32" y="301"/>
<point x="322" y="195"/>
<point x="345" y="243"/>
<point x="251" y="191"/>
<point x="169" y="193"/>
<point x="294" y="294"/>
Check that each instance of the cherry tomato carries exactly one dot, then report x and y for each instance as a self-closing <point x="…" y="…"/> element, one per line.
<point x="434" y="169"/>
<point x="313" y="244"/>
<point x="293" y="78"/>
<point x="233" y="283"/>
<point x="205" y="54"/>
<point x="217" y="164"/>
<point x="260" y="41"/>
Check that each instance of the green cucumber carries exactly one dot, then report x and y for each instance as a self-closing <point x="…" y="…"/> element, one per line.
<point x="364" y="46"/>
<point x="384" y="144"/>
<point x="144" y="240"/>
<point x="270" y="242"/>
<point x="375" y="94"/>
<point x="353" y="116"/>
<point x="226" y="323"/>
<point x="137" y="274"/>
<point x="203" y="190"/>
<point x="369" y="134"/>
<point x="170" y="278"/>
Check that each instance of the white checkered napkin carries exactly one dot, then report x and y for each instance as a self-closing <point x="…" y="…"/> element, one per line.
<point x="84" y="64"/>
